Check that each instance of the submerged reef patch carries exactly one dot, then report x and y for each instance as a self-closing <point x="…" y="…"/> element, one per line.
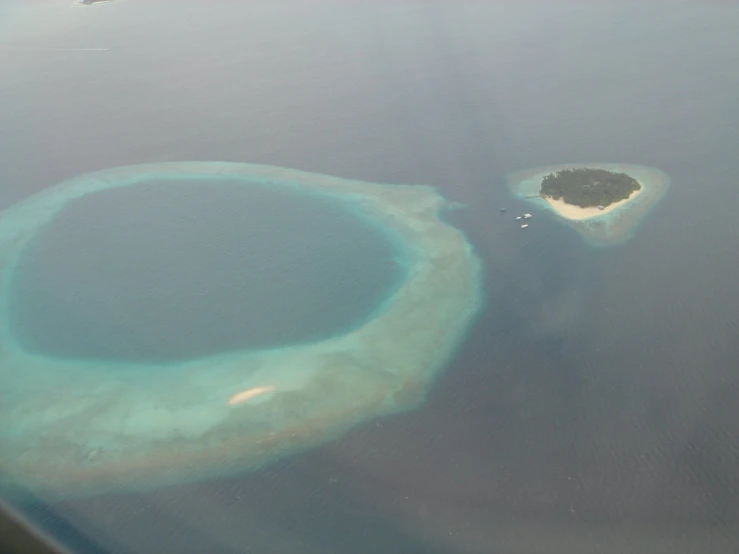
<point x="83" y="427"/>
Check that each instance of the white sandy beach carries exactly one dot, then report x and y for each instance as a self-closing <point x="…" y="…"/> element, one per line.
<point x="568" y="211"/>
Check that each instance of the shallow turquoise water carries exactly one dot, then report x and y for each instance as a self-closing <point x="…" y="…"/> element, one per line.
<point x="175" y="270"/>
<point x="593" y="407"/>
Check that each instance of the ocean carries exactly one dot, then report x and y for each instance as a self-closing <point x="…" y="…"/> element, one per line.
<point x="593" y="406"/>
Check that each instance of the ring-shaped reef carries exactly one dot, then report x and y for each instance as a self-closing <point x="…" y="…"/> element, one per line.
<point x="614" y="225"/>
<point x="84" y="427"/>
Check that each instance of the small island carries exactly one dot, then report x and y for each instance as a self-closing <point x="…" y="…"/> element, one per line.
<point x="604" y="202"/>
<point x="585" y="192"/>
<point x="587" y="187"/>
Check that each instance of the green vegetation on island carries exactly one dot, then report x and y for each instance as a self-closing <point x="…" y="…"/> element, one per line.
<point x="586" y="187"/>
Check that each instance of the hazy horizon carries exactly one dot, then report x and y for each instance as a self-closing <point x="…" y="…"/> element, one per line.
<point x="593" y="406"/>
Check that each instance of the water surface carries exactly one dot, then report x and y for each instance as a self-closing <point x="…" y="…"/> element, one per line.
<point x="168" y="271"/>
<point x="593" y="408"/>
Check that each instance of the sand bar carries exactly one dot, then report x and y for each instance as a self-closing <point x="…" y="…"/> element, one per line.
<point x="248" y="394"/>
<point x="570" y="211"/>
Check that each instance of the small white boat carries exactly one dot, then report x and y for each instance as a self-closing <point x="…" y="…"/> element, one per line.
<point x="524" y="226"/>
<point x="518" y="217"/>
<point x="527" y="216"/>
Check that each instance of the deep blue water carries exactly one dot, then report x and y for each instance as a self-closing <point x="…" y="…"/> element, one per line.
<point x="173" y="271"/>
<point x="593" y="407"/>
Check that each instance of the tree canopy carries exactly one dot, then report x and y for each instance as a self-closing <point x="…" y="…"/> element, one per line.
<point x="587" y="187"/>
